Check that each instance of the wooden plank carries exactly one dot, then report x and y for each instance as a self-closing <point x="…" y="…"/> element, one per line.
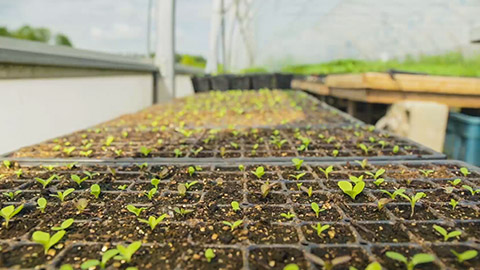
<point x="389" y="97"/>
<point x="406" y="82"/>
<point x="315" y="87"/>
<point x="350" y="94"/>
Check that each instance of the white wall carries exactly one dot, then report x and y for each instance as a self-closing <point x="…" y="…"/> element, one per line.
<point x="34" y="110"/>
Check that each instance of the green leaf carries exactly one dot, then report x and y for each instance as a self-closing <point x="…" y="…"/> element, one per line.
<point x="465" y="256"/>
<point x="65" y="225"/>
<point x="209" y="254"/>
<point x="422" y="258"/>
<point x="291" y="266"/>
<point x="66" y="267"/>
<point x="396" y="256"/>
<point x="90" y="263"/>
<point x="374" y="266"/>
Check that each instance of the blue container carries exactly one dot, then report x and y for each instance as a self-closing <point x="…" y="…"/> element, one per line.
<point x="462" y="140"/>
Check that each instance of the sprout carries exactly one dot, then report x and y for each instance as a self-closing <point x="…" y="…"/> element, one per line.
<point x="297" y="163"/>
<point x="417" y="259"/>
<point x="182" y="211"/>
<point x="382" y="202"/>
<point x="362" y="163"/>
<point x="464" y="171"/>
<point x="142" y="166"/>
<point x="259" y="172"/>
<point x="234" y="145"/>
<point x="126" y="253"/>
<point x="190" y="184"/>
<point x="299" y="186"/>
<point x="69" y="150"/>
<point x="326" y="171"/>
<point x="151" y="193"/>
<point x="155" y="182"/>
<point x="197" y="151"/>
<point x="209" y="254"/>
<point x="109" y="254"/>
<point x="309" y="191"/>
<point x="355" y="179"/>
<point x="65" y="225"/>
<point x="95" y="190"/>
<point x="426" y="173"/>
<point x="335" y="153"/>
<point x="350" y="190"/>
<point x="291" y="266"/>
<point x="298" y="176"/>
<point x="379" y="181"/>
<point x="77" y="179"/>
<point x="44" y="183"/>
<point x="81" y="204"/>
<point x="177" y="152"/>
<point x="465" y="256"/>
<point x="145" y="151"/>
<point x="377" y="174"/>
<point x="453" y="203"/>
<point x="414" y="199"/>
<point x="109" y="140"/>
<point x="182" y="190"/>
<point x="42" y="204"/>
<point x="191" y="170"/>
<point x="395" y="149"/>
<point x="19" y="173"/>
<point x="446" y="235"/>
<point x="472" y="191"/>
<point x="135" y="210"/>
<point x="122" y="187"/>
<point x="235" y="206"/>
<point x="46" y="240"/>
<point x="90" y="175"/>
<point x="241" y="167"/>
<point x="319" y="228"/>
<point x="7" y="164"/>
<point x="11" y="195"/>
<point x="287" y="215"/>
<point x="66" y="267"/>
<point x="153" y="221"/>
<point x="265" y="188"/>
<point x="316" y="208"/>
<point x="364" y="148"/>
<point x="233" y="225"/>
<point x="455" y="182"/>
<point x="330" y="264"/>
<point x="394" y="194"/>
<point x="63" y="195"/>
<point x="8" y="212"/>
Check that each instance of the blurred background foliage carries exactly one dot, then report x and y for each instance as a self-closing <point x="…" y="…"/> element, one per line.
<point x="40" y="34"/>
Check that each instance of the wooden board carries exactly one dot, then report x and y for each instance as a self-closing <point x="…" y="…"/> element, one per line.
<point x="406" y="83"/>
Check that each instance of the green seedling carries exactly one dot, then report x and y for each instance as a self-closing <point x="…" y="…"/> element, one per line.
<point x="45" y="182"/>
<point x="417" y="259"/>
<point x="86" y="153"/>
<point x="77" y="179"/>
<point x="297" y="163"/>
<point x="191" y="170"/>
<point x="395" y="149"/>
<point x="455" y="182"/>
<point x="319" y="228"/>
<point x="8" y="212"/>
<point x="7" y="164"/>
<point x="326" y="171"/>
<point x="209" y="254"/>
<point x="277" y="142"/>
<point x="182" y="190"/>
<point x="265" y="189"/>
<point x="188" y="185"/>
<point x="382" y="143"/>
<point x="81" y="204"/>
<point x="46" y="240"/>
<point x="241" y="167"/>
<point x="394" y="194"/>
<point x="233" y="225"/>
<point x="453" y="203"/>
<point x="330" y="139"/>
<point x="95" y="190"/>
<point x="12" y="194"/>
<point x="42" y="204"/>
<point x="298" y="176"/>
<point x="291" y="266"/>
<point x="316" y="208"/>
<point x="18" y="173"/>
<point x="328" y="264"/>
<point x="155" y="182"/>
<point x="465" y="256"/>
<point x="378" y="182"/>
<point x="259" y="172"/>
<point x="126" y="253"/>
<point x="364" y="148"/>
<point x="363" y="163"/>
<point x="299" y="186"/>
<point x="142" y="166"/>
<point x="150" y="193"/>
<point x="234" y="145"/>
<point x="446" y="235"/>
<point x="153" y="221"/>
<point x="63" y="195"/>
<point x="182" y="211"/>
<point x="107" y="256"/>
<point x="371" y="266"/>
<point x="335" y="153"/>
<point x="135" y="210"/>
<point x="464" y="171"/>
<point x="287" y="215"/>
<point x="65" y="225"/>
<point x="382" y="202"/>
<point x="177" y="152"/>
<point x="308" y="190"/>
<point x="90" y="175"/>
<point x="350" y="190"/>
<point x="413" y="200"/>
<point x="145" y="151"/>
<point x="355" y="179"/>
<point x="426" y="173"/>
<point x="197" y="151"/>
<point x="69" y="150"/>
<point x="122" y="187"/>
<point x="66" y="267"/>
<point x="109" y="140"/>
<point x="235" y="206"/>
<point x="377" y="174"/>
<point x="472" y="191"/>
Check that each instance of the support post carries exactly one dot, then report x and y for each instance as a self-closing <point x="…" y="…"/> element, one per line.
<point x="165" y="48"/>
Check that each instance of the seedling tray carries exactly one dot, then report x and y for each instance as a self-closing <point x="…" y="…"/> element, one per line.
<point x="265" y="239"/>
<point x="333" y="143"/>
